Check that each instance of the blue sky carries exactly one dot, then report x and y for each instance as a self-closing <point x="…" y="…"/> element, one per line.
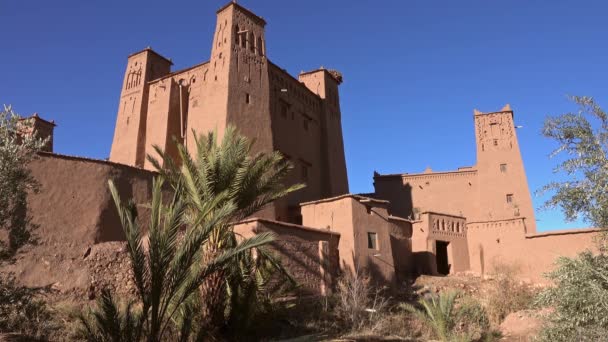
<point x="413" y="70"/>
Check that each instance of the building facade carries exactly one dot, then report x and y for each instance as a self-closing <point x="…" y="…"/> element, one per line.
<point x="238" y="86"/>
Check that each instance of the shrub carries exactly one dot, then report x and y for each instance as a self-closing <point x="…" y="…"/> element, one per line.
<point x="472" y="321"/>
<point x="438" y="313"/>
<point x="579" y="299"/>
<point x="358" y="304"/>
<point x="507" y="294"/>
<point x="21" y="312"/>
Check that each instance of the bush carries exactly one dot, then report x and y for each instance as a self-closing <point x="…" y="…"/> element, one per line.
<point x="472" y="321"/>
<point x="508" y="294"/>
<point x="579" y="299"/>
<point x="21" y="312"/>
<point x="358" y="304"/>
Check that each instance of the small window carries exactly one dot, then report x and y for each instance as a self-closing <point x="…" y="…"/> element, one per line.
<point x="510" y="198"/>
<point x="495" y="142"/>
<point x="372" y="241"/>
<point x="247" y="98"/>
<point x="503" y="168"/>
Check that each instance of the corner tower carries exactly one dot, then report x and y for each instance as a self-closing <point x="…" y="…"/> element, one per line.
<point x="128" y="146"/>
<point x="325" y="84"/>
<point x="503" y="192"/>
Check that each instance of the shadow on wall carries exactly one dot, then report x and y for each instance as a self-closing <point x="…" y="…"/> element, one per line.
<point x="424" y="262"/>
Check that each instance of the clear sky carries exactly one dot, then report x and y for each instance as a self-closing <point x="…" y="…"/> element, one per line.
<point x="413" y="70"/>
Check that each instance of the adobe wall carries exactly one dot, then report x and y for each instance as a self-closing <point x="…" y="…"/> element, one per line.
<point x="433" y="227"/>
<point x="296" y="133"/>
<point x="354" y="217"/>
<point x="74" y="211"/>
<point x="454" y="193"/>
<point x="310" y="255"/>
<point x="506" y="242"/>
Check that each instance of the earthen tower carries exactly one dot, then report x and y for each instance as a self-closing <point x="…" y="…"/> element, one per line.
<point x="238" y="86"/>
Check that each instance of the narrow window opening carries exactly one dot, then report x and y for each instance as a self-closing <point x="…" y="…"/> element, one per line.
<point x="372" y="240"/>
<point x="503" y="168"/>
<point x="247" y="98"/>
<point x="509" y="198"/>
<point x="495" y="142"/>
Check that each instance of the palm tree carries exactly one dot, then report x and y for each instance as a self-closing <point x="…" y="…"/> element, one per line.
<point x="169" y="273"/>
<point x="250" y="182"/>
<point x="438" y="313"/>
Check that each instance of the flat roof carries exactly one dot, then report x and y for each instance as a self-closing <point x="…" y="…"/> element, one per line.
<point x="288" y="225"/>
<point x="154" y="52"/>
<point x="357" y="197"/>
<point x="403" y="175"/>
<point x="233" y="3"/>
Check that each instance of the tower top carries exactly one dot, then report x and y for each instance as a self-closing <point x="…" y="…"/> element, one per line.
<point x="253" y="16"/>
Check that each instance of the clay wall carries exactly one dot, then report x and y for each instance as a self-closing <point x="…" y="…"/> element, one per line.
<point x="499" y="243"/>
<point x="296" y="131"/>
<point x="454" y="193"/>
<point x="309" y="254"/>
<point x="358" y="220"/>
<point x="72" y="212"/>
<point x="433" y="227"/>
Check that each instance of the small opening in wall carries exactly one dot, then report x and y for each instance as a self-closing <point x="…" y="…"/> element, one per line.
<point x="372" y="240"/>
<point x="247" y="98"/>
<point x="503" y="168"/>
<point x="509" y="198"/>
<point x="495" y="142"/>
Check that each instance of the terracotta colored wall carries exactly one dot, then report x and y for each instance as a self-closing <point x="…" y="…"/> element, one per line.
<point x="354" y="220"/>
<point x="73" y="211"/>
<point x="533" y="254"/>
<point x="454" y="193"/>
<point x="309" y="254"/>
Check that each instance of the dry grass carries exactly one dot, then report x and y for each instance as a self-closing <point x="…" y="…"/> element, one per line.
<point x="507" y="294"/>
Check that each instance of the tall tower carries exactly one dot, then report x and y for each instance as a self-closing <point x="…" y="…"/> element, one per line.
<point x="237" y="93"/>
<point x="128" y="146"/>
<point x="325" y="84"/>
<point x="504" y="192"/>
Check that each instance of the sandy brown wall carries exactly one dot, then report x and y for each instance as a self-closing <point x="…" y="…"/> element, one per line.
<point x="453" y="193"/>
<point x="310" y="255"/>
<point x="73" y="211"/>
<point x="506" y="243"/>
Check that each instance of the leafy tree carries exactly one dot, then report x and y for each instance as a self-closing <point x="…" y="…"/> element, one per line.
<point x="579" y="299"/>
<point x="251" y="182"/>
<point x="583" y="137"/>
<point x="168" y="275"/>
<point x="16" y="151"/>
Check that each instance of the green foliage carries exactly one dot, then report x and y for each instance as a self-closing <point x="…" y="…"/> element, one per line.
<point x="250" y="181"/>
<point x="583" y="138"/>
<point x="168" y="275"/>
<point x="472" y="322"/>
<point x="16" y="151"/>
<point x="439" y="313"/>
<point x="579" y="298"/>
<point x="21" y="312"/>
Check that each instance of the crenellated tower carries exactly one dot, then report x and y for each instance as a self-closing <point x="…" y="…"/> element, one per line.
<point x="237" y="73"/>
<point x="503" y="191"/>
<point x="128" y="146"/>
